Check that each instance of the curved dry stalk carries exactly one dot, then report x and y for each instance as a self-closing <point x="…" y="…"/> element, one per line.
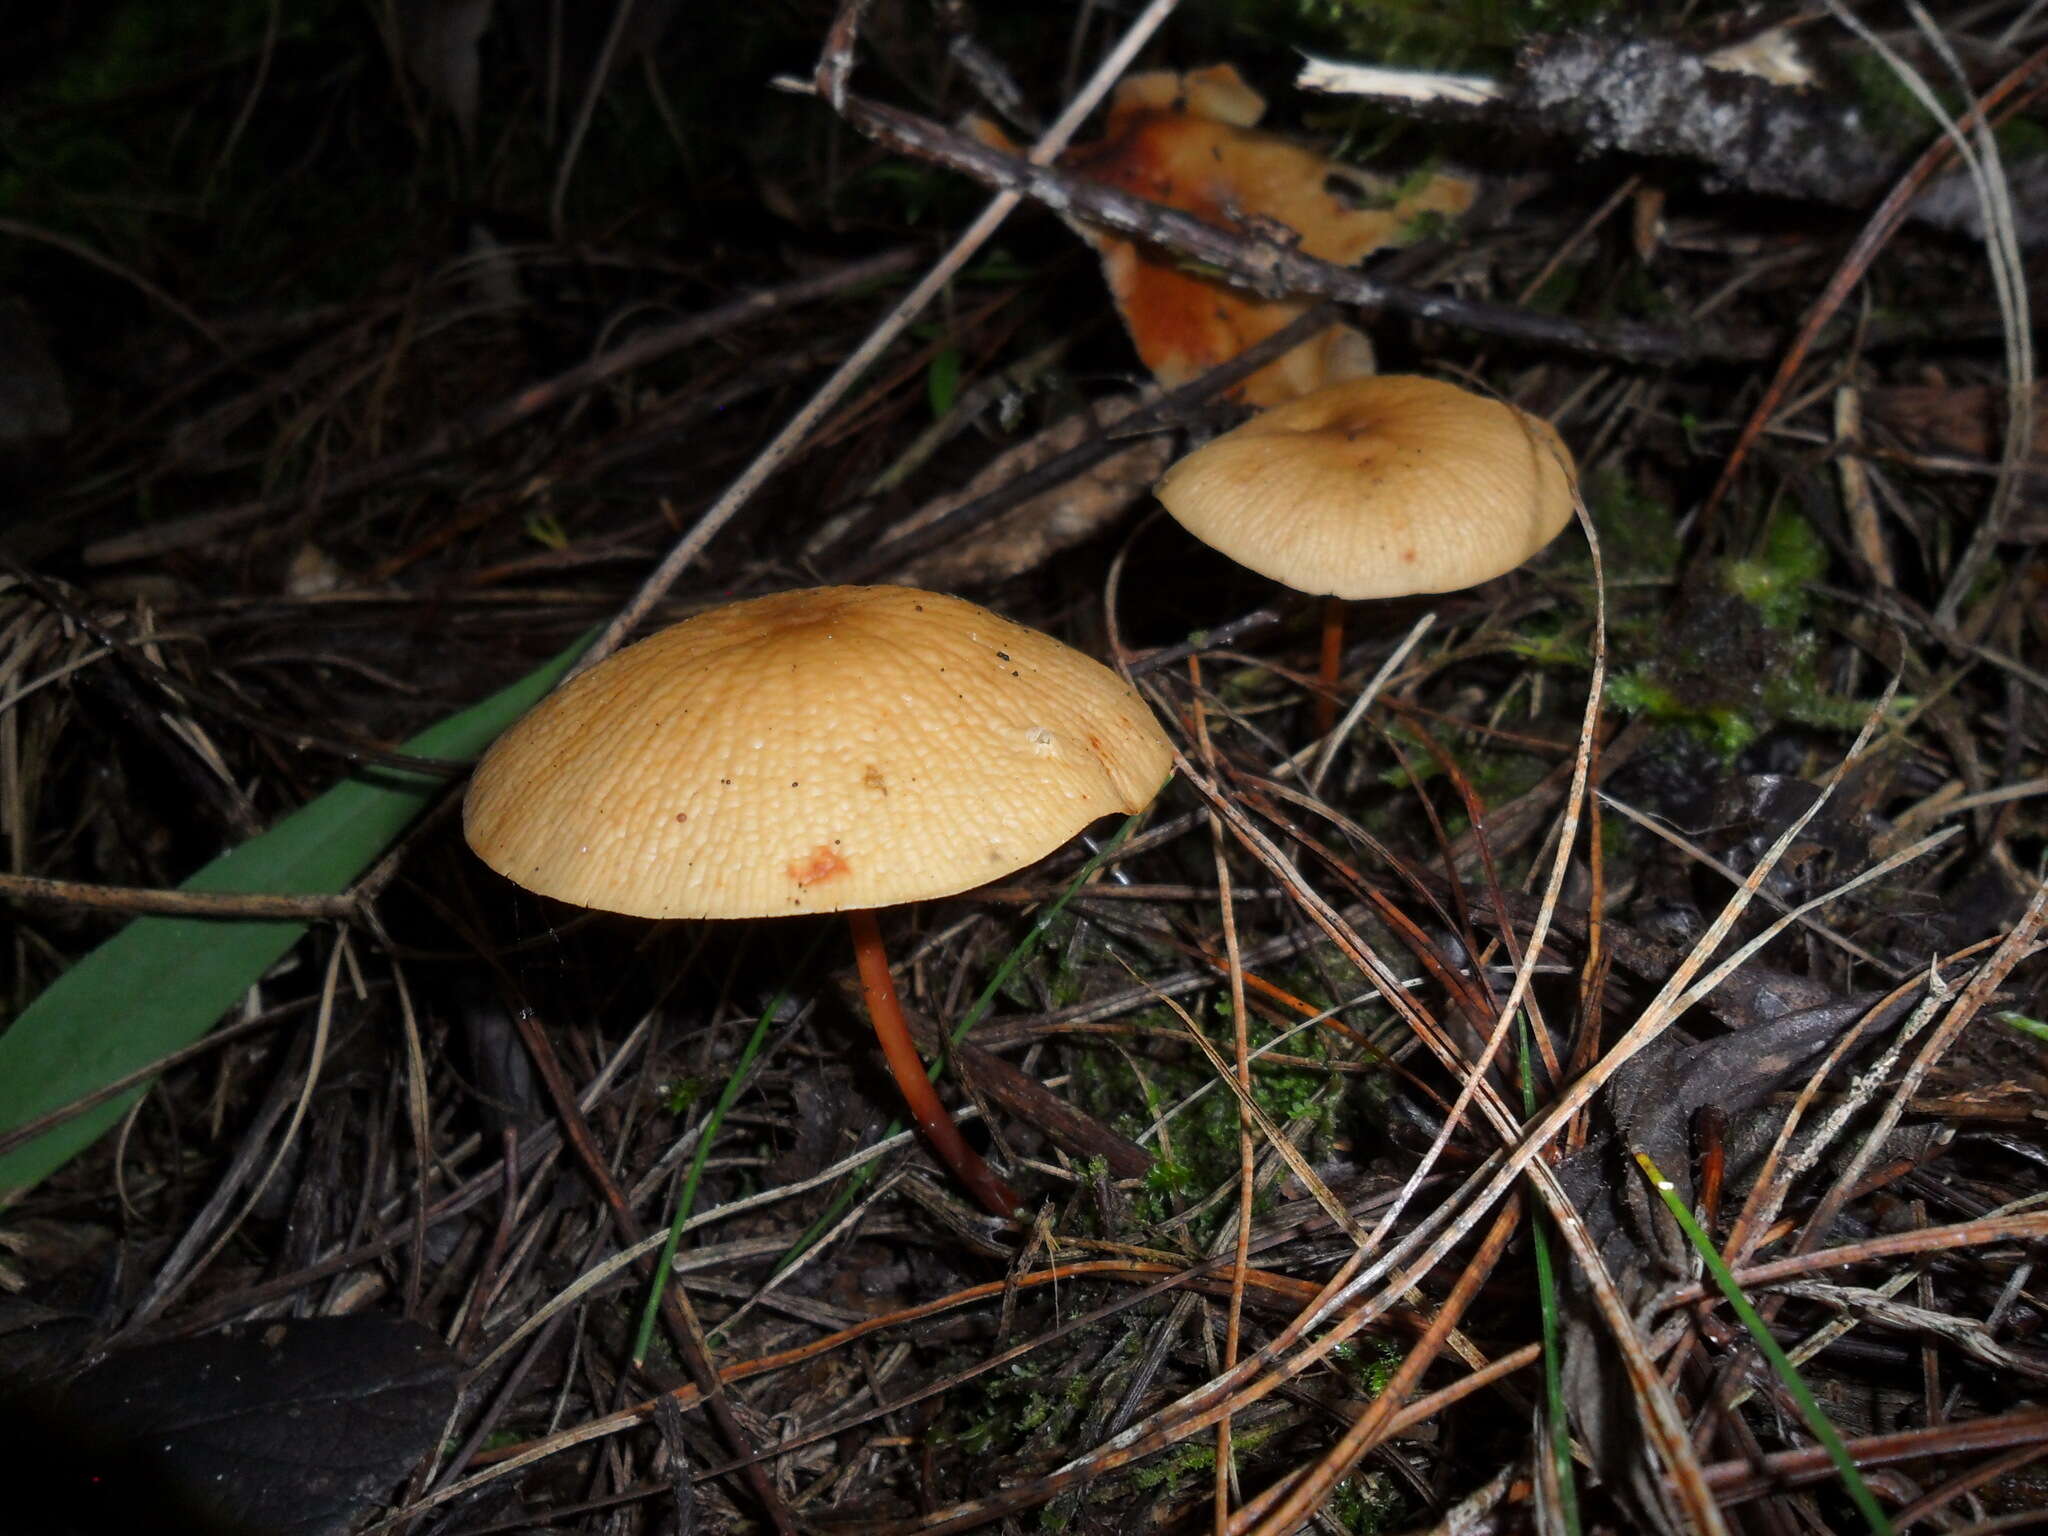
<point x="1241" y="1081"/>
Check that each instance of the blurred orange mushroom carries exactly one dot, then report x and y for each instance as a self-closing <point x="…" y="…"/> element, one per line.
<point x="1189" y="141"/>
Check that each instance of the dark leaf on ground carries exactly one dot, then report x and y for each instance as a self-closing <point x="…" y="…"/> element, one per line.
<point x="287" y="1428"/>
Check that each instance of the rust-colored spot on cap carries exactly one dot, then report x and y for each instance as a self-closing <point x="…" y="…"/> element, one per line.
<point x="820" y="865"/>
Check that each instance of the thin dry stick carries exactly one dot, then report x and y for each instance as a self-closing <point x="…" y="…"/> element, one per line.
<point x="798" y="427"/>
<point x="1883" y="224"/>
<point x="1749" y="1480"/>
<point x="1303" y="1495"/>
<point x="173" y="903"/>
<point x="1234" y="1317"/>
<point x="1261" y="265"/>
<point x="2015" y="947"/>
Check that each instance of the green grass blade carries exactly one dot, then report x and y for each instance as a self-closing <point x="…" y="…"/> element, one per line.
<point x="1553" y="1321"/>
<point x="687" y="1200"/>
<point x="1788" y="1373"/>
<point x="162" y="982"/>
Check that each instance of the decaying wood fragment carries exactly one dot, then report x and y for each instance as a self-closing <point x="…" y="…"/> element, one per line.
<point x="1647" y="96"/>
<point x="1028" y="535"/>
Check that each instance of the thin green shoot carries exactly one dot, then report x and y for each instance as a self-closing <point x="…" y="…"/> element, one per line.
<point x="1552" y="1321"/>
<point x="687" y="1198"/>
<point x="1795" y="1385"/>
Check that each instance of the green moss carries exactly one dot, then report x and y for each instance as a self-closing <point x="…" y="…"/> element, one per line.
<point x="1737" y="655"/>
<point x="1638" y="692"/>
<point x="2021" y="138"/>
<point x="1202" y="1135"/>
<point x="1557" y="292"/>
<point x="677" y="1097"/>
<point x="1370" y="1361"/>
<point x="1638" y="533"/>
<point x="1890" y="110"/>
<point x="1012" y="1403"/>
<point x="1775" y="580"/>
<point x="1550" y="645"/>
<point x="1367" y="1503"/>
<point x="1193" y="1457"/>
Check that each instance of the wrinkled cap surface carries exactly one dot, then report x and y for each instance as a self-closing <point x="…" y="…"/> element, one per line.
<point x="813" y="751"/>
<point x="1378" y="487"/>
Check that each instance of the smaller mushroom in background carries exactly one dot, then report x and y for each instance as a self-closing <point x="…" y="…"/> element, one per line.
<point x="1381" y="487"/>
<point x="834" y="749"/>
<point x="1188" y="141"/>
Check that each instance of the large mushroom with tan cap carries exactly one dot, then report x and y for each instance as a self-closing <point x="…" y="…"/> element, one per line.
<point x="1378" y="487"/>
<point x="836" y="749"/>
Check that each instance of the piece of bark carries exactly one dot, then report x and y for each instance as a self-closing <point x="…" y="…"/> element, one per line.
<point x="1028" y="535"/>
<point x="1613" y="94"/>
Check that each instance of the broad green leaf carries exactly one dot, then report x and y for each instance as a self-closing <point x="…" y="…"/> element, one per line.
<point x="162" y="982"/>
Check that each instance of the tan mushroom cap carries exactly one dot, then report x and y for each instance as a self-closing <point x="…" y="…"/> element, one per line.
<point x="814" y="751"/>
<point x="1378" y="487"/>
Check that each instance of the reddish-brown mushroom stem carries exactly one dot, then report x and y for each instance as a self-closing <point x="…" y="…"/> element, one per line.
<point x="1333" y="663"/>
<point x="885" y="1012"/>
